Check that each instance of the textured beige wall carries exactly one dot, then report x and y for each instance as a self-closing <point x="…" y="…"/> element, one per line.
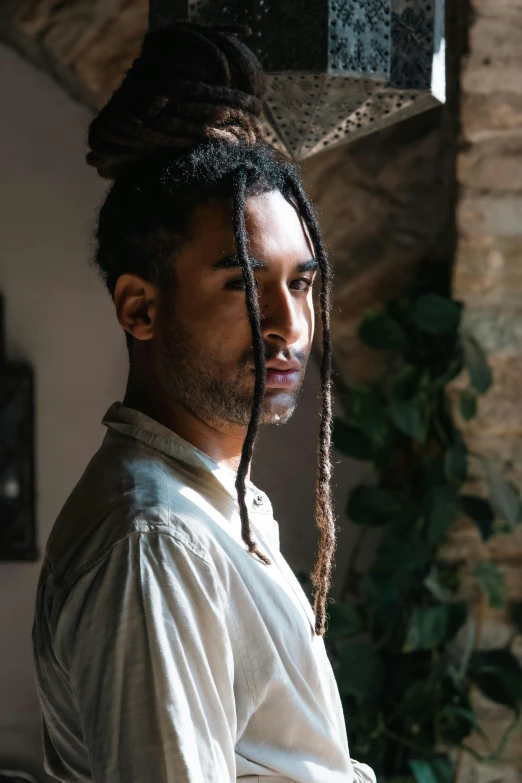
<point x="488" y="278"/>
<point x="384" y="207"/>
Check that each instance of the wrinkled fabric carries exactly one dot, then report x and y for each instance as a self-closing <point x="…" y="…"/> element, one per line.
<point x="165" y="652"/>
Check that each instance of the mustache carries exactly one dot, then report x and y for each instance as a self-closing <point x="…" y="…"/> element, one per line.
<point x="248" y="357"/>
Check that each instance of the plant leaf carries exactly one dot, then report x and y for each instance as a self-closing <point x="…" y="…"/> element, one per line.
<point x="428" y="627"/>
<point x="442" y="510"/>
<point x="457" y="616"/>
<point x="504" y="496"/>
<point x="431" y="626"/>
<point x="456" y="723"/>
<point x="432" y="583"/>
<point x="381" y="593"/>
<point x="361" y="672"/>
<point x="515" y="614"/>
<point x="455" y="463"/>
<point x="491" y="581"/>
<point x="467" y="647"/>
<point x="468" y="404"/>
<point x="410" y="416"/>
<point x="378" y="330"/>
<point x="406" y="553"/>
<point x="448" y="576"/>
<point x="436" y="314"/>
<point x="344" y="620"/>
<point x="498" y="674"/>
<point x="451" y="369"/>
<point x="372" y="506"/>
<point x="432" y="771"/>
<point x="351" y="441"/>
<point x="365" y="409"/>
<point x="476" y="364"/>
<point x="479" y="510"/>
<point x="423" y="772"/>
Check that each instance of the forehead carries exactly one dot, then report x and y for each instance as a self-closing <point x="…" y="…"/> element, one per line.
<point x="275" y="229"/>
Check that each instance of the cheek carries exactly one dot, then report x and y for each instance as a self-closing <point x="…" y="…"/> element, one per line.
<point x="218" y="320"/>
<point x="308" y="318"/>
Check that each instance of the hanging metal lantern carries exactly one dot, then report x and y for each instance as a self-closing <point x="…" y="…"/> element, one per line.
<point x="336" y="69"/>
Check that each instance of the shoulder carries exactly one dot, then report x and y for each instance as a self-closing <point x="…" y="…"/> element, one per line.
<point x="124" y="492"/>
<point x="144" y="581"/>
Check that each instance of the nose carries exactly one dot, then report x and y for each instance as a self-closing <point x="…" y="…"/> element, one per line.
<point x="282" y="318"/>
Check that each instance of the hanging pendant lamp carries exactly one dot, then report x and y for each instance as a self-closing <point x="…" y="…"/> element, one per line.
<point x="335" y="69"/>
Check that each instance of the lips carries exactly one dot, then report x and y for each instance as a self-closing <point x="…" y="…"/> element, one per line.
<point x="283" y="366"/>
<point x="281" y="374"/>
<point x="276" y="378"/>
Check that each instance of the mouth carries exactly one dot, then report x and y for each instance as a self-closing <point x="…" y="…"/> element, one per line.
<point x="282" y="376"/>
<point x="280" y="379"/>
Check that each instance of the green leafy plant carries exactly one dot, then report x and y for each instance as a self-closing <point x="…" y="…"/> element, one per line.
<point x="404" y="681"/>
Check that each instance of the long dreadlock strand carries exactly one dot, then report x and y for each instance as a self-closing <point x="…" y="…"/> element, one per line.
<point x="254" y="316"/>
<point x="325" y="517"/>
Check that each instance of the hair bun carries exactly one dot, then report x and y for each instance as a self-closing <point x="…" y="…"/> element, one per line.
<point x="190" y="83"/>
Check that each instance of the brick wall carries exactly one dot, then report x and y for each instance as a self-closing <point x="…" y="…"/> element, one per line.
<point x="488" y="278"/>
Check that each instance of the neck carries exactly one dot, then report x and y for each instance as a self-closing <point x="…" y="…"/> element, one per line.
<point x="222" y="443"/>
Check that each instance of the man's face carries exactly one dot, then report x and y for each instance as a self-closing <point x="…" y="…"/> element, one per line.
<point x="205" y="342"/>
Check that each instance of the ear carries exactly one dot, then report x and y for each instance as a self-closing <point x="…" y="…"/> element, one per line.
<point x="136" y="302"/>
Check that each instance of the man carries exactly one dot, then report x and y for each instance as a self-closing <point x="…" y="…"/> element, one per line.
<point x="173" y="643"/>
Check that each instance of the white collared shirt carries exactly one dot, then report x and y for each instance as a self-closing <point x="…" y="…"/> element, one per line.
<point x="165" y="653"/>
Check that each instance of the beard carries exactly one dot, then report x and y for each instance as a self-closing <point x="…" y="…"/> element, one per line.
<point x="194" y="376"/>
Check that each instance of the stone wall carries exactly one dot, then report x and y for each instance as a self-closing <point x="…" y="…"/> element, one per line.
<point x="488" y="278"/>
<point x="383" y="212"/>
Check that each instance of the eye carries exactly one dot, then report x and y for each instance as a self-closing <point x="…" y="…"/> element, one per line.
<point x="237" y="284"/>
<point x="302" y="284"/>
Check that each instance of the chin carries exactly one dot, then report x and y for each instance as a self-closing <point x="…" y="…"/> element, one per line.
<point x="278" y="408"/>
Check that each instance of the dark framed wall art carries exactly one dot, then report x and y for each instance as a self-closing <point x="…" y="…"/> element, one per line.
<point x="17" y="469"/>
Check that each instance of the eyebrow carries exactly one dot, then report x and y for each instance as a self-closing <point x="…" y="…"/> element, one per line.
<point x="232" y="262"/>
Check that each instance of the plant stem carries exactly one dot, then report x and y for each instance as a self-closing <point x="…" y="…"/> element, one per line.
<point x="505" y="737"/>
<point x="472" y="752"/>
<point x="405" y="742"/>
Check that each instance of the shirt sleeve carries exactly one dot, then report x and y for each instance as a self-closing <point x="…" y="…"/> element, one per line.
<point x="362" y="772"/>
<point x="151" y="666"/>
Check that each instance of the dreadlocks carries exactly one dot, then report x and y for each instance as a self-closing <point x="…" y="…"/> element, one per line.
<point x="254" y="317"/>
<point x="183" y="129"/>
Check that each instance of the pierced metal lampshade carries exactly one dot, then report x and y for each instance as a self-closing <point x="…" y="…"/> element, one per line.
<point x="336" y="69"/>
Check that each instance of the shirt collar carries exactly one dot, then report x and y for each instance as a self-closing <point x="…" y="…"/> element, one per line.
<point x="138" y="425"/>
